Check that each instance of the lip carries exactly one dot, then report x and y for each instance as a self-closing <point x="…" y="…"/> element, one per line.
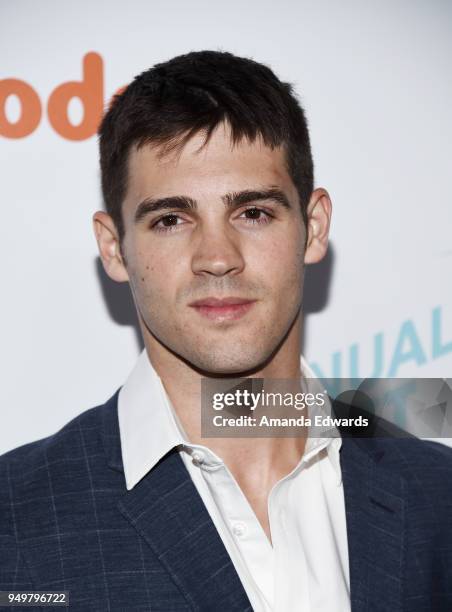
<point x="225" y="309"/>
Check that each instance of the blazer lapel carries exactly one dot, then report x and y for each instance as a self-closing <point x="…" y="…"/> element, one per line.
<point x="167" y="511"/>
<point x="374" y="507"/>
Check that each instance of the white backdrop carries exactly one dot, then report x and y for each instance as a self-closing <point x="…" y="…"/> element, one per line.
<point x="374" y="78"/>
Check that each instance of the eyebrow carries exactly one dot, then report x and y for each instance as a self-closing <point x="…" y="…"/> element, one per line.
<point x="230" y="200"/>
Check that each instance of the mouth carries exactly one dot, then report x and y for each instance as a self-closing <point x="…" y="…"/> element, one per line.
<point x="226" y="309"/>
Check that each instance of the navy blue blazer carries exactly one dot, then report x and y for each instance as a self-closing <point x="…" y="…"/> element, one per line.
<point x="68" y="523"/>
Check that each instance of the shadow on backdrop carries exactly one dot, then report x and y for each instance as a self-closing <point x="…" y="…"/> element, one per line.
<point x="316" y="290"/>
<point x="119" y="302"/>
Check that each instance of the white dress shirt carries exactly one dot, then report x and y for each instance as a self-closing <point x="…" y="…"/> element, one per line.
<point x="305" y="568"/>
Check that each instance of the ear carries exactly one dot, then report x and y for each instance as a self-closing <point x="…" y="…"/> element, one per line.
<point x="319" y="217"/>
<point x="109" y="249"/>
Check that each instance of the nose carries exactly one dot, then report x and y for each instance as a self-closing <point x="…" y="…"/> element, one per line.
<point x="217" y="252"/>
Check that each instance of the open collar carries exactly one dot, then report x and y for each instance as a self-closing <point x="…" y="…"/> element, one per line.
<point x="149" y="427"/>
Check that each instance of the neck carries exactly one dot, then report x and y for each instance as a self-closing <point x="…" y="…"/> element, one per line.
<point x="274" y="457"/>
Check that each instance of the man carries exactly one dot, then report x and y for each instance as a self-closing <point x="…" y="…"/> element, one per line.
<point x="211" y="217"/>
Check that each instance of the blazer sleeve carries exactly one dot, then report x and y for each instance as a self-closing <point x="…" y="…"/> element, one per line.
<point x="13" y="571"/>
<point x="14" y="574"/>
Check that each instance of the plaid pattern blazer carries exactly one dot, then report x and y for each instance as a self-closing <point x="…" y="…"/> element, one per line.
<point x="67" y="522"/>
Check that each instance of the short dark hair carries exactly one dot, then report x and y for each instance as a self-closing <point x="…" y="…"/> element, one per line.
<point x="191" y="93"/>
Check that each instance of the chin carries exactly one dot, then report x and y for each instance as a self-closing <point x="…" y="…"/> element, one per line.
<point x="236" y="362"/>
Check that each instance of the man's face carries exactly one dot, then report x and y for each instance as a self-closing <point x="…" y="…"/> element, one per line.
<point x="215" y="257"/>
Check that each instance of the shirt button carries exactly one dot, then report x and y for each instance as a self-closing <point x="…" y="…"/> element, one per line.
<point x="239" y="529"/>
<point x="198" y="457"/>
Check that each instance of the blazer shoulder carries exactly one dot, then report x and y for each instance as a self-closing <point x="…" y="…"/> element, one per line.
<point x="421" y="463"/>
<point x="28" y="467"/>
<point x="417" y="452"/>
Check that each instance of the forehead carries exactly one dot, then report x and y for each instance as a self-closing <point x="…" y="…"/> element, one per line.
<point x="213" y="169"/>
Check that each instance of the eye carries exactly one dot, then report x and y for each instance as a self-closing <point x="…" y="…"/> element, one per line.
<point x="256" y="215"/>
<point x="167" y="223"/>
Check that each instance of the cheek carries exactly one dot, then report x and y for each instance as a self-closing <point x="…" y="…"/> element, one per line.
<point x="155" y="282"/>
<point x="143" y="270"/>
<point x="280" y="260"/>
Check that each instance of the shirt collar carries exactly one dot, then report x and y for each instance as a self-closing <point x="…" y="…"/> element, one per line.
<point x="333" y="441"/>
<point x="149" y="427"/>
